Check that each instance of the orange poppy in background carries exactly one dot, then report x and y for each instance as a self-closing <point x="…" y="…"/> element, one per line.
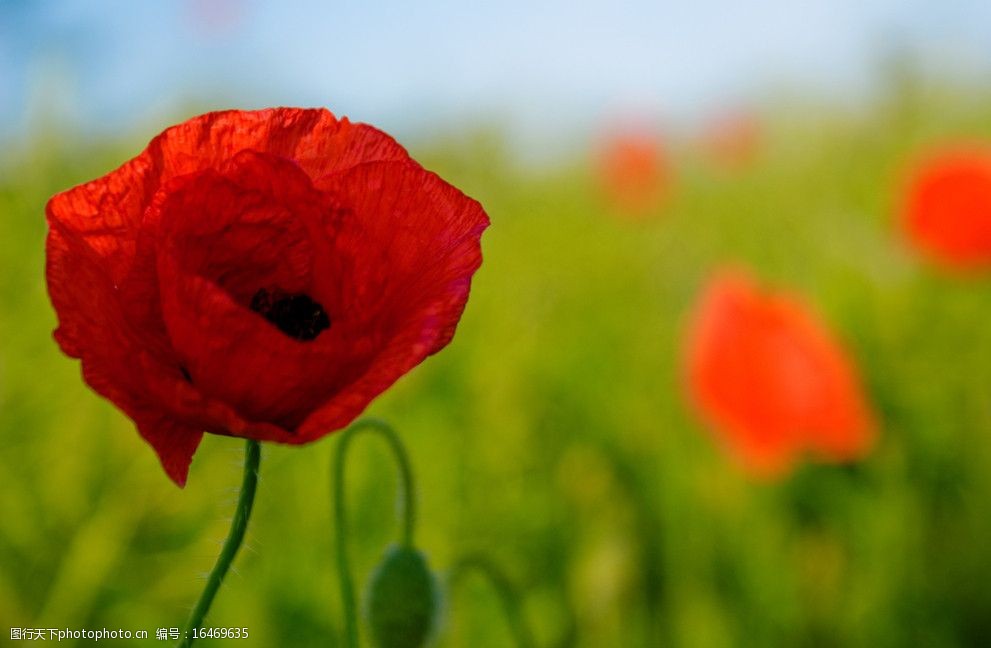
<point x="947" y="209"/>
<point x="633" y="171"/>
<point x="766" y="374"/>
<point x="732" y="141"/>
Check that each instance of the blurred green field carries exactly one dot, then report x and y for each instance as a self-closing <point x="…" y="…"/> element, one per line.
<point x="552" y="435"/>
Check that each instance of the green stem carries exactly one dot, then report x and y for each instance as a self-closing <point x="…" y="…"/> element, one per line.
<point x="239" y="524"/>
<point x="504" y="589"/>
<point x="340" y="517"/>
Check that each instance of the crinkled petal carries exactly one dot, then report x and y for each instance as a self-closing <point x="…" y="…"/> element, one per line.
<point x="220" y="237"/>
<point x="153" y="268"/>
<point x="419" y="239"/>
<point x="94" y="330"/>
<point x="107" y="212"/>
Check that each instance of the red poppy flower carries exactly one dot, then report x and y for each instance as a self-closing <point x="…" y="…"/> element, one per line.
<point x="947" y="211"/>
<point x="633" y="172"/>
<point x="258" y="274"/>
<point x="771" y="380"/>
<point x="732" y="141"/>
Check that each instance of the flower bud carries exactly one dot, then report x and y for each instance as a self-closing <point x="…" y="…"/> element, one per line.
<point x="402" y="600"/>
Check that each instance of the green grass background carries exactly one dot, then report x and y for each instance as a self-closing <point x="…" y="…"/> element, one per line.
<point x="553" y="435"/>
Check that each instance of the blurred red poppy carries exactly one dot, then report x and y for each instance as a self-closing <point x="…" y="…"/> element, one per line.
<point x="947" y="209"/>
<point x="258" y="274"/>
<point x="767" y="375"/>
<point x="633" y="172"/>
<point x="732" y="141"/>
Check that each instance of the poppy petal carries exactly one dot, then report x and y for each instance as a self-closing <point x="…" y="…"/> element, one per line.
<point x="220" y="242"/>
<point x="948" y="207"/>
<point x="428" y="232"/>
<point x="633" y="171"/>
<point x="769" y="377"/>
<point x="109" y="350"/>
<point x="107" y="211"/>
<point x="211" y="285"/>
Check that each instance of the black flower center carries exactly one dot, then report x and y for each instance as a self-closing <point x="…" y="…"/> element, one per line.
<point x="298" y="316"/>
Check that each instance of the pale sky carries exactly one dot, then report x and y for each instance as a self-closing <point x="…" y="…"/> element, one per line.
<point x="108" y="65"/>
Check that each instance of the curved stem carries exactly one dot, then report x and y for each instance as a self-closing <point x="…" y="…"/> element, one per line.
<point x="504" y="589"/>
<point x="239" y="524"/>
<point x="340" y="517"/>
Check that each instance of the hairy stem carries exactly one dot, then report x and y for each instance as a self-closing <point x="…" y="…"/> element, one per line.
<point x="239" y="524"/>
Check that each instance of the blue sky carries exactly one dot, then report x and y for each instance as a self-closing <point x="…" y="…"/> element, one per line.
<point x="107" y="65"/>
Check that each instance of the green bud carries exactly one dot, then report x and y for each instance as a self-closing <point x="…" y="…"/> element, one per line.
<point x="402" y="600"/>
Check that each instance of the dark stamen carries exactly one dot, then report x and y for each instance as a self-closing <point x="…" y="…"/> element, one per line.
<point x="297" y="316"/>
